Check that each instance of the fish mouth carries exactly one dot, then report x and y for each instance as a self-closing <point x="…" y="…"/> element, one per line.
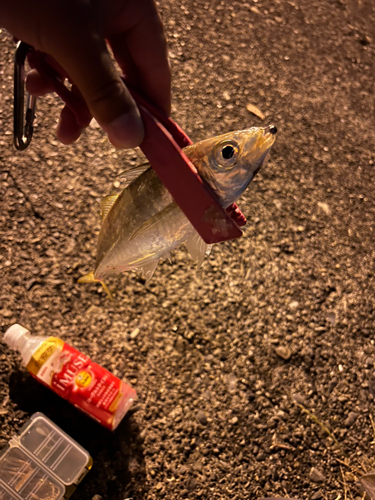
<point x="266" y="140"/>
<point x="263" y="144"/>
<point x="271" y="129"/>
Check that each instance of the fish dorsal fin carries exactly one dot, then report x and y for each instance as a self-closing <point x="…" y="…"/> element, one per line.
<point x="155" y="222"/>
<point x="107" y="203"/>
<point x="197" y="248"/>
<point x="132" y="173"/>
<point x="149" y="269"/>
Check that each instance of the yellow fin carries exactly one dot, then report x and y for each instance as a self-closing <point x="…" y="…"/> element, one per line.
<point x="90" y="278"/>
<point x="107" y="203"/>
<point x="132" y="173"/>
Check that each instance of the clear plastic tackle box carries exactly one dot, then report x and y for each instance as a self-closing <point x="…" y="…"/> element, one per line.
<point x="41" y="463"/>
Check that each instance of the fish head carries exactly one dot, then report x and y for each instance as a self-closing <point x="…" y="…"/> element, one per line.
<point x="229" y="162"/>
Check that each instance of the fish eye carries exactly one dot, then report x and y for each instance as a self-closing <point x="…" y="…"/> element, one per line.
<point x="226" y="153"/>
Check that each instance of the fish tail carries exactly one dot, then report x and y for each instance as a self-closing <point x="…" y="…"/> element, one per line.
<point x="90" y="278"/>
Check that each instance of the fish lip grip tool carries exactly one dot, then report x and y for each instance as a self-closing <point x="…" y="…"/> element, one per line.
<point x="162" y="146"/>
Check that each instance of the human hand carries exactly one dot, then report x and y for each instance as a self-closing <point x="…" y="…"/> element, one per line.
<point x="74" y="34"/>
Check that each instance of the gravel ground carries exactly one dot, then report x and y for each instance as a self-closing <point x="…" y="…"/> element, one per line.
<point x="255" y="375"/>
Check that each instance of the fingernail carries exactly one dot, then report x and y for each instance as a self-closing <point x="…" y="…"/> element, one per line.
<point x="126" y="131"/>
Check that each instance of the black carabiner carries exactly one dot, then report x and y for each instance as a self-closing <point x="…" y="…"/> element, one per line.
<point x="22" y="122"/>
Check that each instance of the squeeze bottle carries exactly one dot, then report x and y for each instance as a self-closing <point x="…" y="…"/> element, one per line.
<point x="73" y="376"/>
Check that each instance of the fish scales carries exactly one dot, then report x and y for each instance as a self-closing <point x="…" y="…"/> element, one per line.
<point x="143" y="199"/>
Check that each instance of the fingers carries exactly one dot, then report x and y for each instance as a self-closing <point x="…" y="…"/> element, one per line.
<point x="36" y="85"/>
<point x="104" y="92"/>
<point x="68" y="130"/>
<point x="105" y="100"/>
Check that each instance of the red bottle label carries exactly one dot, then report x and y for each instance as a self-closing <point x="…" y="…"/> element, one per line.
<point x="88" y="386"/>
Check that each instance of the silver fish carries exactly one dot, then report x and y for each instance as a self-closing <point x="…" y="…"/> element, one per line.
<point x="143" y="223"/>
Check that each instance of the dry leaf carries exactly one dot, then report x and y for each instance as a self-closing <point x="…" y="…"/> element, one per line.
<point x="255" y="111"/>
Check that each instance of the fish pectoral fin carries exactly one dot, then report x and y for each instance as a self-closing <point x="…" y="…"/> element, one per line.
<point x="198" y="249"/>
<point x="149" y="269"/>
<point x="107" y="203"/>
<point x="155" y="223"/>
<point x="90" y="278"/>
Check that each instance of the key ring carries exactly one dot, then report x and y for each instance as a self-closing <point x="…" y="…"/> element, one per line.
<point x="22" y="121"/>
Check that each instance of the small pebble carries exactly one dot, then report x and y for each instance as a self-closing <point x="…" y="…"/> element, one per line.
<point x="6" y="313"/>
<point x="350" y="477"/>
<point x="332" y="385"/>
<point x="255" y="10"/>
<point x="369" y="362"/>
<point x="202" y="418"/>
<point x="231" y="382"/>
<point x="316" y="475"/>
<point x="94" y="310"/>
<point x="320" y="329"/>
<point x="352" y="417"/>
<point x="191" y="483"/>
<point x="331" y="317"/>
<point x="283" y="352"/>
<point x="371" y="386"/>
<point x="324" y="207"/>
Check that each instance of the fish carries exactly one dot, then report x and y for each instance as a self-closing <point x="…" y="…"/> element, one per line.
<point x="143" y="223"/>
